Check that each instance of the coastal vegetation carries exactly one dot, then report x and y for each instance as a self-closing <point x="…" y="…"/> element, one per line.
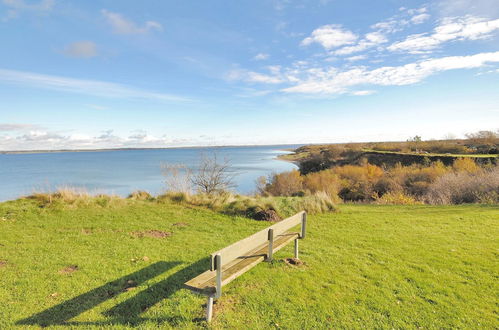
<point x="108" y="262"/>
<point x="482" y="147"/>
<point x="412" y="172"/>
<point x="435" y="183"/>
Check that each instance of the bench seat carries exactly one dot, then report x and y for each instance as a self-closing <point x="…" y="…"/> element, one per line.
<point x="206" y="282"/>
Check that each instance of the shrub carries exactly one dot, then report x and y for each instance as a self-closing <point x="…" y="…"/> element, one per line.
<point x="326" y="181"/>
<point x="465" y="187"/>
<point x="285" y="184"/>
<point x="397" y="198"/>
<point x="140" y="195"/>
<point x="465" y="165"/>
<point x="387" y="184"/>
<point x="357" y="182"/>
<point x="416" y="179"/>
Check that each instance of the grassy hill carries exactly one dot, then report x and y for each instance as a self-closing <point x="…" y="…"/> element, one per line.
<point x="123" y="264"/>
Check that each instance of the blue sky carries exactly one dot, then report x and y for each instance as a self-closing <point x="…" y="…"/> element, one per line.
<point x="101" y="74"/>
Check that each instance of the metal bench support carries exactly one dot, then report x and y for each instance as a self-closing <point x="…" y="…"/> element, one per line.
<point x="218" y="265"/>
<point x="296" y="248"/>
<point x="209" y="309"/>
<point x="271" y="245"/>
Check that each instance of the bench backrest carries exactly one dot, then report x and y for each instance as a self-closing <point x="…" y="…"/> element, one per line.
<point x="239" y="249"/>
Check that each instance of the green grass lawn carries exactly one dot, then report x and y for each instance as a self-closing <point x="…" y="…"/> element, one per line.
<point x="367" y="266"/>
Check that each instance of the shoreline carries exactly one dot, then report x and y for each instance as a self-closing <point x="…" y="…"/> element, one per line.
<point x="21" y="152"/>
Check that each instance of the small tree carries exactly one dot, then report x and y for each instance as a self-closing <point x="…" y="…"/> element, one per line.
<point x="416" y="142"/>
<point x="213" y="176"/>
<point x="177" y="177"/>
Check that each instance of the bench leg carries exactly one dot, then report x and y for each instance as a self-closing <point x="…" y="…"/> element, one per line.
<point x="296" y="248"/>
<point x="209" y="309"/>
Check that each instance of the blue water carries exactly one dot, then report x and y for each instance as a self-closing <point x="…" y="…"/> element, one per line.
<point x="123" y="171"/>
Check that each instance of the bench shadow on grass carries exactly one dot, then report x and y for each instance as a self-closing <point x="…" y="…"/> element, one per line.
<point x="127" y="312"/>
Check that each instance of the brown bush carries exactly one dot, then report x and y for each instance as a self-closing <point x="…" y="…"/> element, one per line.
<point x="285" y="184"/>
<point x="465" y="165"/>
<point x="397" y="198"/>
<point x="416" y="179"/>
<point x="465" y="187"/>
<point x="357" y="182"/>
<point x="326" y="181"/>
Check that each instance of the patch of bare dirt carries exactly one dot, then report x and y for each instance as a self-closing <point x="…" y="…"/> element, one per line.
<point x="151" y="233"/>
<point x="294" y="261"/>
<point x="181" y="224"/>
<point x="3" y="263"/>
<point x="86" y="231"/>
<point x="224" y="303"/>
<point x="68" y="270"/>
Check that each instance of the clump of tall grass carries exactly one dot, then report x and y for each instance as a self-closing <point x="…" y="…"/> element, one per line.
<point x="73" y="197"/>
<point x="140" y="195"/>
<point x="256" y="207"/>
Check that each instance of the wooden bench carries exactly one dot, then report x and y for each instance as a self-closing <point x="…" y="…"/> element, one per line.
<point x="234" y="260"/>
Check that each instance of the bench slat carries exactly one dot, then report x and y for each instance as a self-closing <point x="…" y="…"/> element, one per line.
<point x="235" y="250"/>
<point x="205" y="283"/>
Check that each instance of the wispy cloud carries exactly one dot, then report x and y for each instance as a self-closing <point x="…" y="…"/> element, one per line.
<point x="81" y="49"/>
<point x="487" y="8"/>
<point x="370" y="40"/>
<point x="39" y="139"/>
<point x="81" y="86"/>
<point x="5" y="127"/>
<point x="340" y="41"/>
<point x="18" y="6"/>
<point x="363" y="93"/>
<point x="122" y="25"/>
<point x="334" y="81"/>
<point x="261" y="56"/>
<point x="450" y="29"/>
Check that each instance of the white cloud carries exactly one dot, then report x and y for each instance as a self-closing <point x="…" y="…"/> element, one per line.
<point x="262" y="78"/>
<point x="16" y="127"/>
<point x="47" y="140"/>
<point x="334" y="36"/>
<point x="82" y="49"/>
<point x="81" y="86"/>
<point x="255" y="77"/>
<point x="450" y="29"/>
<point x="18" y="6"/>
<point x="370" y="40"/>
<point x="333" y="81"/>
<point x="420" y="18"/>
<point x="121" y="25"/>
<point x="261" y="56"/>
<point x="487" y="8"/>
<point x="330" y="36"/>
<point x="363" y="93"/>
<point x="356" y="58"/>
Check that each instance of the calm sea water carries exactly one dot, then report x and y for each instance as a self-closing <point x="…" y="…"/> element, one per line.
<point x="123" y="171"/>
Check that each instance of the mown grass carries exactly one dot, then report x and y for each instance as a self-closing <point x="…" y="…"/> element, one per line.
<point x="367" y="266"/>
